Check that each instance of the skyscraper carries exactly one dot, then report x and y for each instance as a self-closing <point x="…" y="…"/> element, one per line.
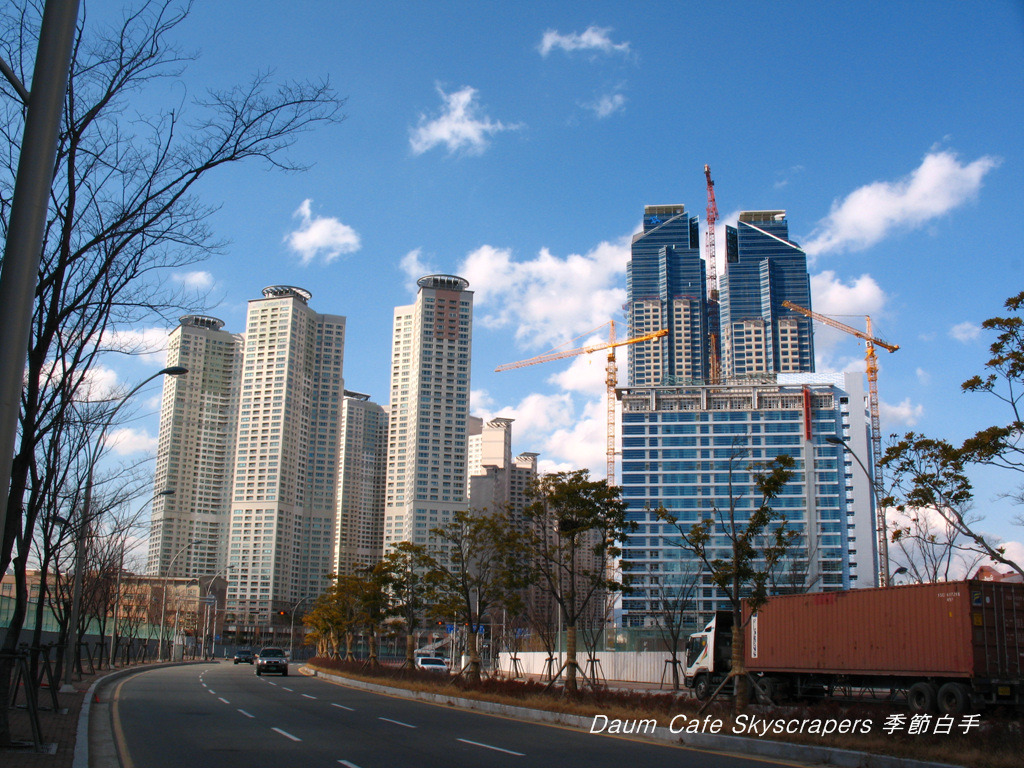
<point x="359" y="532"/>
<point x="427" y="435"/>
<point x="694" y="451"/>
<point x="666" y="285"/>
<point x="195" y="450"/>
<point x="764" y="268"/>
<point x="286" y="469"/>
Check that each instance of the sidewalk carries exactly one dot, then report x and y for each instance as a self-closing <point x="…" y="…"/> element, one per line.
<point x="59" y="729"/>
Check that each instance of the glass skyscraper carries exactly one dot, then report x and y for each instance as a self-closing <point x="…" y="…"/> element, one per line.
<point x="764" y="268"/>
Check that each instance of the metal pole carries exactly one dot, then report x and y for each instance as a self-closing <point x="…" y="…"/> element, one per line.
<point x="291" y="634"/>
<point x="163" y="606"/>
<point x="882" y="535"/>
<point x="28" y="218"/>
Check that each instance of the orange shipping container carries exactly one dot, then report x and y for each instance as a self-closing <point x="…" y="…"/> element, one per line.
<point x="965" y="629"/>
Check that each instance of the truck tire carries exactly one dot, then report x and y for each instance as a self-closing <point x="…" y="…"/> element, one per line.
<point x="922" y="697"/>
<point x="770" y="686"/>
<point x="702" y="687"/>
<point x="954" y="699"/>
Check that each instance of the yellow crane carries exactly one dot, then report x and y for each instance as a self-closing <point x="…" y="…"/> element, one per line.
<point x="876" y="435"/>
<point x="611" y="376"/>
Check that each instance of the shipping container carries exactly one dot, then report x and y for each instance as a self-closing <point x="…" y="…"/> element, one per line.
<point x="946" y="646"/>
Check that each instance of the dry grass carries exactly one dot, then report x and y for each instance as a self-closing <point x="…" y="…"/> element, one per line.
<point x="997" y="743"/>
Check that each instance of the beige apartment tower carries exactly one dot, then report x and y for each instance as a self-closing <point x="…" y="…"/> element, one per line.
<point x="284" y="494"/>
<point x="427" y="437"/>
<point x="195" y="451"/>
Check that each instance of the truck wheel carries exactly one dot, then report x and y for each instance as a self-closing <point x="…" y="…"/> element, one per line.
<point x="922" y="697"/>
<point x="954" y="699"/>
<point x="770" y="687"/>
<point x="702" y="687"/>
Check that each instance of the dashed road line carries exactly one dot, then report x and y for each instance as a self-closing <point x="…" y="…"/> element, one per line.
<point x="288" y="689"/>
<point x="342" y="706"/>
<point x="489" y="746"/>
<point x="396" y="722"/>
<point x="286" y="734"/>
<point x="347" y="764"/>
<point x="306" y="695"/>
<point x="223" y="699"/>
<point x="246" y="713"/>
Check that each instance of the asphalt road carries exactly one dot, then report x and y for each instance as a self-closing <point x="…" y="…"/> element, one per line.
<point x="223" y="715"/>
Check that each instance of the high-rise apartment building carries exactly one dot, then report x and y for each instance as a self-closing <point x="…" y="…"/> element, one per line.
<point x="427" y="435"/>
<point x="497" y="480"/>
<point x="764" y="268"/>
<point x="359" y="532"/>
<point x="284" y="496"/>
<point x="694" y="451"/>
<point x="667" y="289"/>
<point x="195" y="451"/>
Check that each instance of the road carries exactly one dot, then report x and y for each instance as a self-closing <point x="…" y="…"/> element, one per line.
<point x="221" y="714"/>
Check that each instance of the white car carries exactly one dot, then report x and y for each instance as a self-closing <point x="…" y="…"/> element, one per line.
<point x="432" y="664"/>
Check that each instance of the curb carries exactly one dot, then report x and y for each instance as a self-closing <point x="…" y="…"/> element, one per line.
<point x="81" y="755"/>
<point x="737" y="745"/>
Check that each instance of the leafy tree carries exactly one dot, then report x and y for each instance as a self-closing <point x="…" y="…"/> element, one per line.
<point x="929" y="476"/>
<point x="124" y="209"/>
<point x="575" y="525"/>
<point x="1002" y="446"/>
<point x="757" y="544"/>
<point x="929" y="546"/>
<point x="335" y="616"/>
<point x="475" y="565"/>
<point x="403" y="578"/>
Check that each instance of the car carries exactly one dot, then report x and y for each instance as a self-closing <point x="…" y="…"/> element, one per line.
<point x="432" y="664"/>
<point x="243" y="656"/>
<point x="272" y="660"/>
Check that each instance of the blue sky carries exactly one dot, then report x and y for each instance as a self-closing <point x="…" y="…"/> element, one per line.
<point x="516" y="145"/>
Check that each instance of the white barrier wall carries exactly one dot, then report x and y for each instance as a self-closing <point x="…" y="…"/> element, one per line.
<point x="635" y="667"/>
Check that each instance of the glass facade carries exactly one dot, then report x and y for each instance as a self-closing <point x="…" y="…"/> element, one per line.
<point x="667" y="288"/>
<point x="694" y="452"/>
<point x="763" y="269"/>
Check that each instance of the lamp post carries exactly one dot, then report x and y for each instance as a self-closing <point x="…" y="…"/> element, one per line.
<point x="881" y="533"/>
<point x="213" y="628"/>
<point x="92" y="457"/>
<point x="291" y="634"/>
<point x="163" y="604"/>
<point x="117" y="588"/>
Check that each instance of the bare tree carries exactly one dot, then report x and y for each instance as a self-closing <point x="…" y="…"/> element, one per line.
<point x="124" y="209"/>
<point x="930" y="547"/>
<point x="670" y="597"/>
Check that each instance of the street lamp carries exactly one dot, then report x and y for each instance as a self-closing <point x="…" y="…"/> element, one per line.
<point x="92" y="457"/>
<point x="163" y="604"/>
<point x="881" y="532"/>
<point x="291" y="634"/>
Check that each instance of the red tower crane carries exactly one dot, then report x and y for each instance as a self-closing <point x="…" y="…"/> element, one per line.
<point x="712" y="267"/>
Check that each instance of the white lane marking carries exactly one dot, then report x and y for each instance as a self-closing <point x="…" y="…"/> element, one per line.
<point x="488" y="746"/>
<point x="246" y="713"/>
<point x="342" y="706"/>
<point x="212" y="691"/>
<point x="286" y="734"/>
<point x="223" y="699"/>
<point x="347" y="764"/>
<point x="288" y="689"/>
<point x="306" y="695"/>
<point x="396" y="722"/>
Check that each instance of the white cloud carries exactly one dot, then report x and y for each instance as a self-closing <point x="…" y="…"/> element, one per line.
<point x="836" y="297"/>
<point x="148" y="344"/>
<point x="459" y="126"/>
<point x="127" y="441"/>
<point x="198" y="280"/>
<point x="100" y="383"/>
<point x="592" y="39"/>
<point x="607" y="105"/>
<point x="905" y="413"/>
<point x="586" y="373"/>
<point x="1012" y="550"/>
<point x="923" y="376"/>
<point x="872" y="212"/>
<point x="320" y="236"/>
<point x="548" y="299"/>
<point x="965" y="332"/>
<point x="415" y="267"/>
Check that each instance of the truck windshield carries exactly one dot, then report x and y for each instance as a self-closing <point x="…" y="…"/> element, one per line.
<point x="694" y="648"/>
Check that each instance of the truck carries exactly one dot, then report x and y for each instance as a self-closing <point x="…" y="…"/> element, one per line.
<point x="950" y="647"/>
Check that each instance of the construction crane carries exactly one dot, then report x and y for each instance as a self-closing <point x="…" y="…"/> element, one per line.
<point x="611" y="376"/>
<point x="876" y="433"/>
<point x="712" y="267"/>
